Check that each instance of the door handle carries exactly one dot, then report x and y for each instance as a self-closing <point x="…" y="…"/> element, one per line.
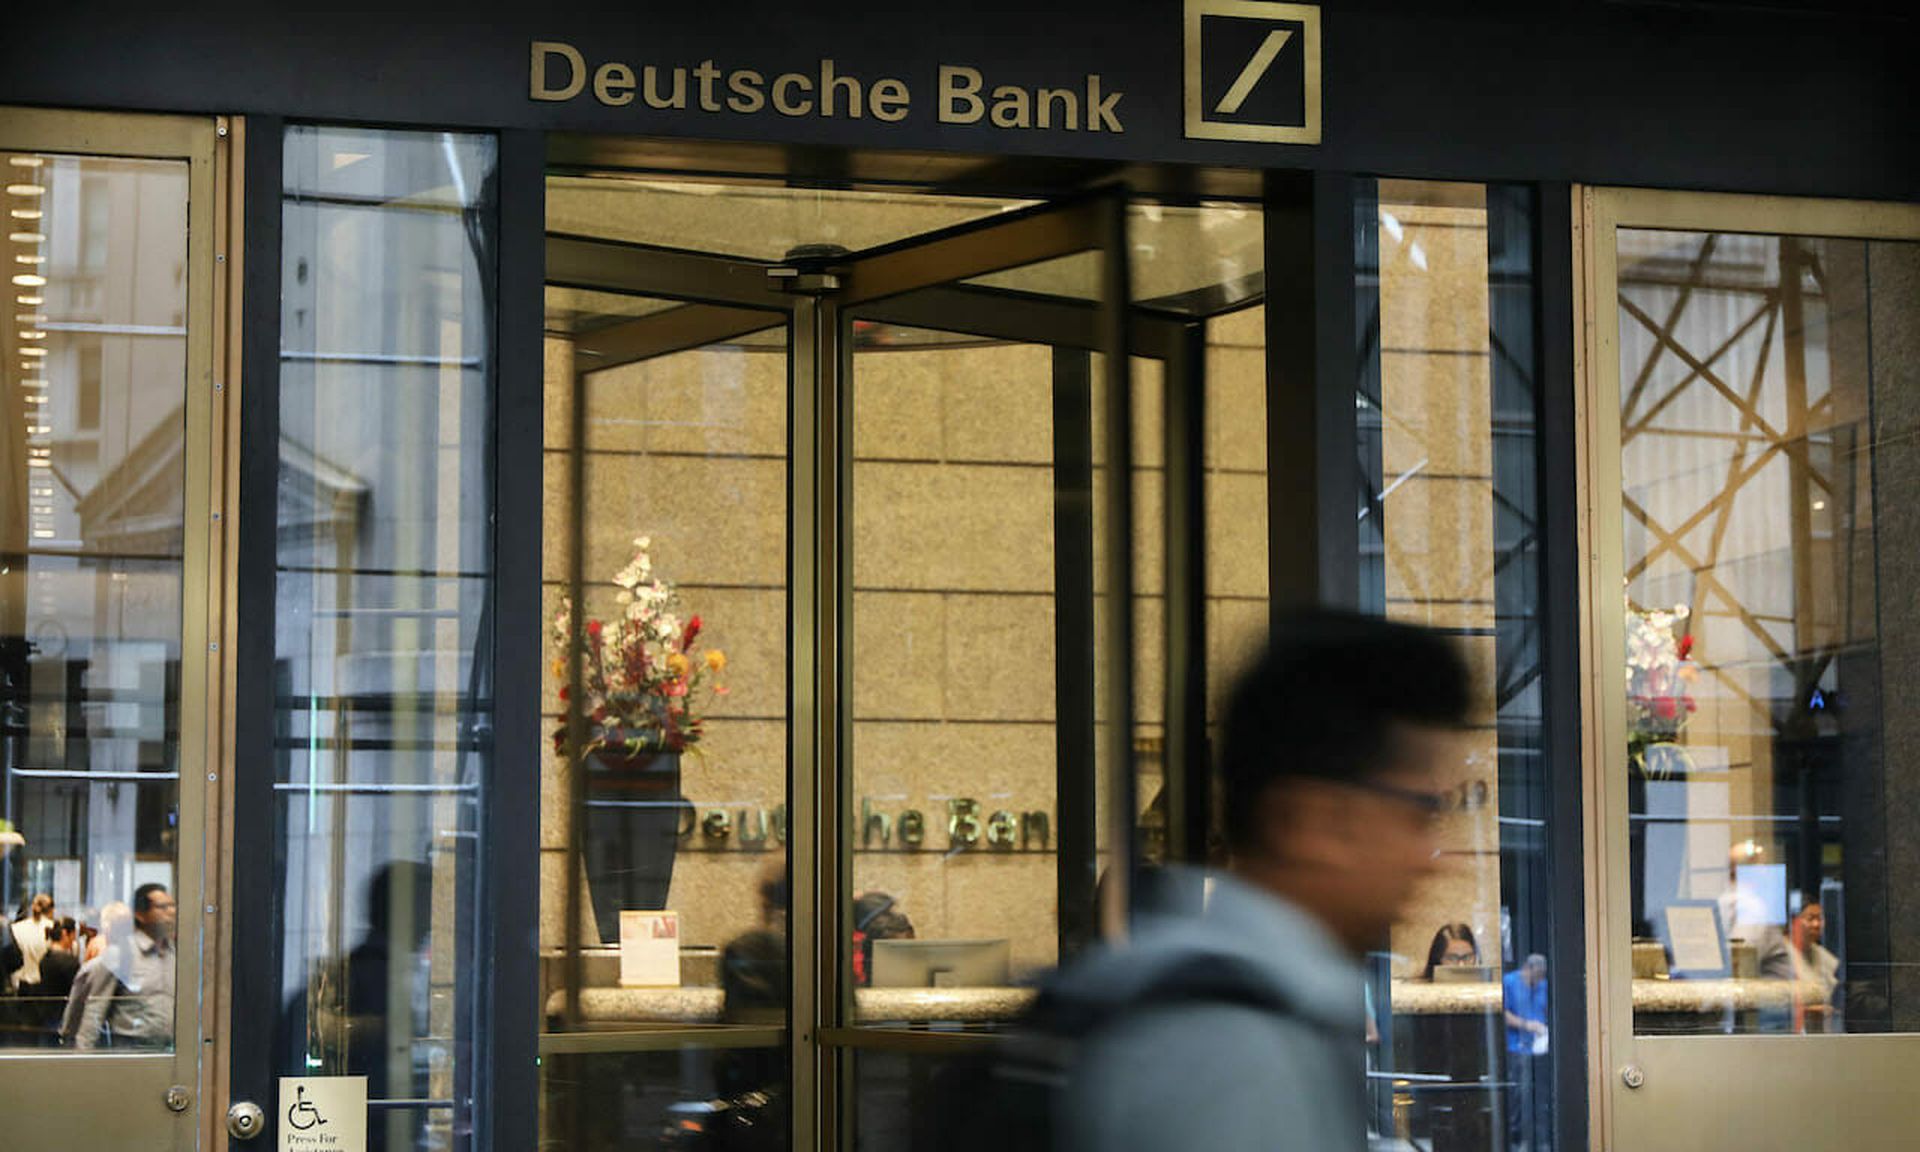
<point x="245" y="1120"/>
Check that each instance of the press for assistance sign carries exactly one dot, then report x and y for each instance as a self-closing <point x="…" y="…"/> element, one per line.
<point x="323" y="1114"/>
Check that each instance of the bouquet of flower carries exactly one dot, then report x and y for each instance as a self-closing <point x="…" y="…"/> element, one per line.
<point x="1660" y="670"/>
<point x="643" y="680"/>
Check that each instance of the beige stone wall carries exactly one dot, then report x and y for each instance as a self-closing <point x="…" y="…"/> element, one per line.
<point x="953" y="599"/>
<point x="1436" y="396"/>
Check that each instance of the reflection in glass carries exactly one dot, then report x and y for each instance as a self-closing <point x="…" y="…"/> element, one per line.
<point x="664" y="880"/>
<point x="1767" y="404"/>
<point x="384" y="565"/>
<point x="93" y="364"/>
<point x="1459" y="1049"/>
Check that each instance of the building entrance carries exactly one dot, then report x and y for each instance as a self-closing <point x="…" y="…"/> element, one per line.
<point x="865" y="440"/>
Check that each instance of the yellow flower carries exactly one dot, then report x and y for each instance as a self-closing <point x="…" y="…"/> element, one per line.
<point x="716" y="660"/>
<point x="677" y="664"/>
<point x="559" y="669"/>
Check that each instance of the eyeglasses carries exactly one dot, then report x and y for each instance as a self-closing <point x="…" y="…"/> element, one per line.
<point x="1429" y="804"/>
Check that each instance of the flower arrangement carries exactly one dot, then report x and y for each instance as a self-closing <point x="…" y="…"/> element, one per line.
<point x="1659" y="671"/>
<point x="645" y="683"/>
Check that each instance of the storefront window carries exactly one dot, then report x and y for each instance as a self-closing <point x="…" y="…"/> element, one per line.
<point x="1767" y="419"/>
<point x="1460" y="1051"/>
<point x="383" y="618"/>
<point x="93" y="376"/>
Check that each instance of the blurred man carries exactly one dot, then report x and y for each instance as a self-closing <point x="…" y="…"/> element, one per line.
<point x="1242" y="1028"/>
<point x="125" y="997"/>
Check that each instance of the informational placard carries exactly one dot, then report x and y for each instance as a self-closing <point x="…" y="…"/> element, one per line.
<point x="323" y="1114"/>
<point x="1694" y="937"/>
<point x="649" y="949"/>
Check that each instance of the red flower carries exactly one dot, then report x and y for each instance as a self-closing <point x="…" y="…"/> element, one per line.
<point x="1686" y="646"/>
<point x="1665" y="708"/>
<point x="693" y="630"/>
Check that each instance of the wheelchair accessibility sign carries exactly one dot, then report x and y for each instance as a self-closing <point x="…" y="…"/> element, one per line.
<point x="323" y="1114"/>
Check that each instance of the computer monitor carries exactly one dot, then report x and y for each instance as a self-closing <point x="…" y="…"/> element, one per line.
<point x="941" y="963"/>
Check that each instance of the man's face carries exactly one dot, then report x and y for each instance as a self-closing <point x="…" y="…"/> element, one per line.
<point x="1401" y="849"/>
<point x="158" y="919"/>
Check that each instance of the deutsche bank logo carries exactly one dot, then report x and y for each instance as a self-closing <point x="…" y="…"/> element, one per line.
<point x="1253" y="71"/>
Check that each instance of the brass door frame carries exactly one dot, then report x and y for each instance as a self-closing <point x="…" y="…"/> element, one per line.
<point x="60" y="1087"/>
<point x="1774" y="1074"/>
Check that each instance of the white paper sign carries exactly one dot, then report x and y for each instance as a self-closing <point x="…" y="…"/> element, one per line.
<point x="323" y="1114"/>
<point x="650" y="949"/>
<point x="1694" y="933"/>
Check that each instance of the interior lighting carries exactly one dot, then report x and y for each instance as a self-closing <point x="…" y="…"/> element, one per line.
<point x="25" y="190"/>
<point x="37" y="462"/>
<point x="30" y="317"/>
<point x="32" y="334"/>
<point x="38" y="429"/>
<point x="34" y="399"/>
<point x="35" y="383"/>
<point x="26" y="161"/>
<point x="25" y="213"/>
<point x="1392" y="224"/>
<point x="33" y="351"/>
<point x="29" y="300"/>
<point x="29" y="280"/>
<point x="43" y="533"/>
<point x="28" y="258"/>
<point x="27" y="237"/>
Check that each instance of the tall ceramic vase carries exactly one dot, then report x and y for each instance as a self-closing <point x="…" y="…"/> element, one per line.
<point x="633" y="818"/>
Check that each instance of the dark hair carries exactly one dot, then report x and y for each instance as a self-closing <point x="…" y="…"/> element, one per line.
<point x="143" y="897"/>
<point x="1324" y="699"/>
<point x="1446" y="935"/>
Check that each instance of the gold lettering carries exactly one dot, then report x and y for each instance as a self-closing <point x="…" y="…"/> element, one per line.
<point x="872" y="822"/>
<point x="889" y="100"/>
<point x="1069" y="101"/>
<point x="613" y="85"/>
<point x="1100" y="108"/>
<point x="1010" y="107"/>
<point x="752" y="835"/>
<point x="539" y="89"/>
<point x="829" y="82"/>
<point x="1035" y="825"/>
<point x="780" y="823"/>
<point x="1001" y="827"/>
<point x="717" y="825"/>
<point x="963" y="822"/>
<point x="913" y="828"/>
<point x="960" y="101"/>
<point x="785" y="83"/>
<point x="745" y="86"/>
<point x="652" y="93"/>
<point x="707" y="74"/>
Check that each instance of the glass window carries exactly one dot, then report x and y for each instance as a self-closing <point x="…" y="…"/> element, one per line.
<point x="1767" y="424"/>
<point x="384" y="569"/>
<point x="93" y="374"/>
<point x="1459" y="1042"/>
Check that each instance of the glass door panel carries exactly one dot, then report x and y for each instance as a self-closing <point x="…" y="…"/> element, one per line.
<point x="1760" y="361"/>
<point x="105" y="446"/>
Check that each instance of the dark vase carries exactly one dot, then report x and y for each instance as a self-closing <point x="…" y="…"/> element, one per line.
<point x="633" y="820"/>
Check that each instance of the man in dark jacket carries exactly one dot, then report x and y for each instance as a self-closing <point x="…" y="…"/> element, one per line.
<point x="1240" y="1026"/>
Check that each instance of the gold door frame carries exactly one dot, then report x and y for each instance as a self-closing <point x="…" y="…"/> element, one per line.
<point x="133" y="1087"/>
<point x="1760" y="1076"/>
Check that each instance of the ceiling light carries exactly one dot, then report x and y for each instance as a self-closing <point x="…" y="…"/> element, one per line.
<point x="30" y="317"/>
<point x="38" y="429"/>
<point x="32" y="334"/>
<point x="34" y="399"/>
<point x="25" y="190"/>
<point x="26" y="237"/>
<point x="28" y="258"/>
<point x="26" y="161"/>
<point x="36" y="462"/>
<point x="33" y="351"/>
<point x="25" y="213"/>
<point x="33" y="383"/>
<point x="30" y="300"/>
<point x="1819" y="505"/>
<point x="43" y="533"/>
<point x="29" y="280"/>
